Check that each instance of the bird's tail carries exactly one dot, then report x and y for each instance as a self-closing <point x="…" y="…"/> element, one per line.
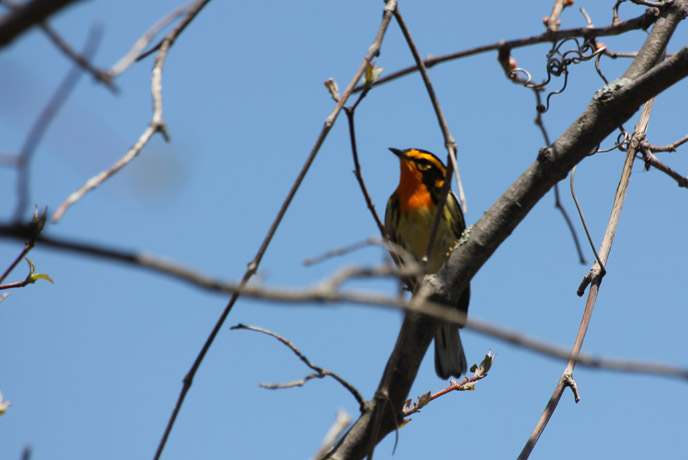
<point x="450" y="359"/>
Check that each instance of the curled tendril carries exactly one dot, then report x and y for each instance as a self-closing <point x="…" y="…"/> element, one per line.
<point x="557" y="65"/>
<point x="622" y="141"/>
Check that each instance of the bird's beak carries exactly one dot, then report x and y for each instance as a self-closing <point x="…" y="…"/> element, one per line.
<point x="400" y="153"/>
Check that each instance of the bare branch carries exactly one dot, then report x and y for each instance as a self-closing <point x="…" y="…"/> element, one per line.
<point x="321" y="373"/>
<point x="82" y="60"/>
<point x="667" y="148"/>
<point x="467" y="384"/>
<point x="35" y="228"/>
<point x="652" y="161"/>
<point x="539" y="122"/>
<point x="131" y="56"/>
<point x="79" y="59"/>
<point x="350" y="111"/>
<point x="641" y="22"/>
<point x="585" y="225"/>
<point x="372" y="241"/>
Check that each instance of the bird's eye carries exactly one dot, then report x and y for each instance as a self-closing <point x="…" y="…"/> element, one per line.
<point x="423" y="165"/>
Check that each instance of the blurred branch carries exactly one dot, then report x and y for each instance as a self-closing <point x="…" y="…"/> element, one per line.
<point x="82" y="60"/>
<point x="320" y="372"/>
<point x="373" y="50"/>
<point x="156" y="125"/>
<point x="641" y="22"/>
<point x="27" y="15"/>
<point x="41" y="125"/>
<point x="79" y="59"/>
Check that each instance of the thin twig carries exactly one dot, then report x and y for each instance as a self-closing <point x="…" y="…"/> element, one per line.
<point x="652" y="161"/>
<point x="79" y="59"/>
<point x="166" y="20"/>
<point x="467" y="384"/>
<point x="596" y="276"/>
<point x="641" y="22"/>
<point x="588" y="20"/>
<point x="41" y="125"/>
<point x="667" y="148"/>
<point x="35" y="227"/>
<point x="449" y="141"/>
<point x="539" y="122"/>
<point x="350" y="111"/>
<point x="253" y="265"/>
<point x="82" y="60"/>
<point x="372" y="241"/>
<point x="585" y="225"/>
<point x="131" y="56"/>
<point x="319" y="370"/>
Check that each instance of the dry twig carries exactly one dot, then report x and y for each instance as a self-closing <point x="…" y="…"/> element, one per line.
<point x="557" y="200"/>
<point x="320" y="372"/>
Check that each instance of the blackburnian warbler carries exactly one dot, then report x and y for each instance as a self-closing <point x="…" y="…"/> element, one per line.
<point x="408" y="220"/>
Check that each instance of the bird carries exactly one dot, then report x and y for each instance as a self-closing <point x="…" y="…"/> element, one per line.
<point x="409" y="219"/>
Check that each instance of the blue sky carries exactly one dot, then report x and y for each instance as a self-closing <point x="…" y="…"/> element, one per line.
<point x="93" y="363"/>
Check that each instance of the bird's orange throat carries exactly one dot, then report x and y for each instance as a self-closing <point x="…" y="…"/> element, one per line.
<point x="412" y="193"/>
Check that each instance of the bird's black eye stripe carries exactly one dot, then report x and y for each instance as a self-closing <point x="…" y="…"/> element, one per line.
<point x="423" y="164"/>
